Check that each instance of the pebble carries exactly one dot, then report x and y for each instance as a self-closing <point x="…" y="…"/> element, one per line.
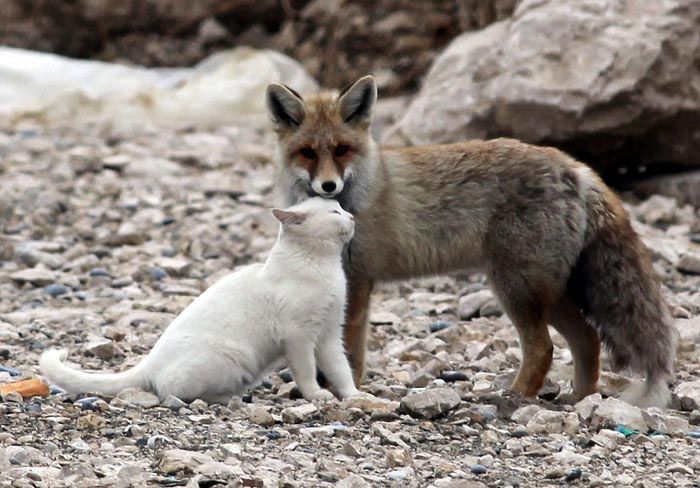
<point x="174" y="403"/>
<point x="138" y="398"/>
<point x="478" y="469"/>
<point x="299" y="414"/>
<point x="469" y="305"/>
<point x="157" y="273"/>
<point x="573" y="475"/>
<point x="439" y="325"/>
<point x="431" y="403"/>
<point x="55" y="290"/>
<point x="452" y="376"/>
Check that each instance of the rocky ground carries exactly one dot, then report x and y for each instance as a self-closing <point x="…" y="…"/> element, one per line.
<point x="105" y="237"/>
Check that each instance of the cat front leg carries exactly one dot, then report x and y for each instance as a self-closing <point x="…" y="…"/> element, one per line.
<point x="332" y="360"/>
<point x="300" y="356"/>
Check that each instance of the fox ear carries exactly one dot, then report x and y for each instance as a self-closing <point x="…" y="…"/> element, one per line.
<point x="285" y="106"/>
<point x="357" y="101"/>
<point x="289" y="218"/>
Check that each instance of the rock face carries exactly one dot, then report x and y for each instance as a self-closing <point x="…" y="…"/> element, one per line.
<point x="397" y="40"/>
<point x="612" y="82"/>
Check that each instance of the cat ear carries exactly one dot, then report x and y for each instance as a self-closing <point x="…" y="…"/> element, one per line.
<point x="357" y="101"/>
<point x="289" y="218"/>
<point x="285" y="106"/>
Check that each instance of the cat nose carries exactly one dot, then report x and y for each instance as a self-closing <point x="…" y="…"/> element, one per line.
<point x="328" y="186"/>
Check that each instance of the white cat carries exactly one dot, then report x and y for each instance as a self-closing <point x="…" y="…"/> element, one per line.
<point x="289" y="308"/>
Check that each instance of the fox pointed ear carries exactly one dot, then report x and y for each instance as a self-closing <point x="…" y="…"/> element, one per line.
<point x="285" y="106"/>
<point x="289" y="218"/>
<point x="357" y="101"/>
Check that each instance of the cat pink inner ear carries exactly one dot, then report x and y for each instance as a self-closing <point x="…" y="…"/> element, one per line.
<point x="289" y="218"/>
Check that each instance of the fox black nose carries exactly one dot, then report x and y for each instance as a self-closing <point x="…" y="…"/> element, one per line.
<point x="328" y="186"/>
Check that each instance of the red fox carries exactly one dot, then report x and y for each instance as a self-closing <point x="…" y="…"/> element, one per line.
<point x="554" y="241"/>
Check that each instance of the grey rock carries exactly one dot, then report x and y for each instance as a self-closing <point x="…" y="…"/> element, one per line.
<point x="690" y="390"/>
<point x="614" y="89"/>
<point x="689" y="263"/>
<point x="613" y="412"/>
<point x="300" y="413"/>
<point x="176" y="460"/>
<point x="103" y="349"/>
<point x="138" y="397"/>
<point x="35" y="276"/>
<point x="469" y="305"/>
<point x="352" y="481"/>
<point x="430" y="403"/>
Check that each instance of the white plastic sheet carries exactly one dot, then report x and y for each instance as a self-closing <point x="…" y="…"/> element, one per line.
<point x="225" y="89"/>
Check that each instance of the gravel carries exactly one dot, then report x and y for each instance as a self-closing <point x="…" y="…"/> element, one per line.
<point x="106" y="236"/>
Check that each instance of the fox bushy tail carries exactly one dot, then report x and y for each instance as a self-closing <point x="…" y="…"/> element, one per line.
<point x="619" y="292"/>
<point x="76" y="381"/>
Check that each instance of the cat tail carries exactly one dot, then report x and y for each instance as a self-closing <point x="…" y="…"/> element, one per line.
<point x="76" y="381"/>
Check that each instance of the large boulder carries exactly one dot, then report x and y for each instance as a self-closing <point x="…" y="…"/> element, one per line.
<point x="614" y="82"/>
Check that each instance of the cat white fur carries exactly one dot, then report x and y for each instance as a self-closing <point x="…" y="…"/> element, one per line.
<point x="289" y="308"/>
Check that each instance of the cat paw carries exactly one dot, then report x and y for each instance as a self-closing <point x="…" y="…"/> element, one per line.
<point x="320" y="395"/>
<point x="353" y="393"/>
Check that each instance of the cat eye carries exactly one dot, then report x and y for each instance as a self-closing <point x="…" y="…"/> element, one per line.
<point x="308" y="153"/>
<point x="341" y="150"/>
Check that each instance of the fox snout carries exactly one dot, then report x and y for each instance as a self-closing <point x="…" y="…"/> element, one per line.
<point x="327" y="188"/>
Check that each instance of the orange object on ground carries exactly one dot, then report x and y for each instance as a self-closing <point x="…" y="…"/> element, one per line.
<point x="27" y="388"/>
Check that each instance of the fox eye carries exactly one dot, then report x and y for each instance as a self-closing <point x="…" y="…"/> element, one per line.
<point x="308" y="153"/>
<point x="335" y="212"/>
<point x="341" y="150"/>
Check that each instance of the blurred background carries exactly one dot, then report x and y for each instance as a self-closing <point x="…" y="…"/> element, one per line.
<point x="616" y="83"/>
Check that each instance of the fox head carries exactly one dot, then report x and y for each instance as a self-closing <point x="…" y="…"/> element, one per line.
<point x="324" y="138"/>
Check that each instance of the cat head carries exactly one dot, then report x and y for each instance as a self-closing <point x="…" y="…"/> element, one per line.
<point x="317" y="220"/>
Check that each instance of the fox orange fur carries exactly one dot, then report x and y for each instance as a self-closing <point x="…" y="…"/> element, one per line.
<point x="553" y="239"/>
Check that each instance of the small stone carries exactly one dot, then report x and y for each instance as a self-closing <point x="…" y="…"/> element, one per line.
<point x="174" y="403"/>
<point x="351" y="449"/>
<point x="138" y="397"/>
<point x="157" y="273"/>
<point x="616" y="412"/>
<point x="440" y="325"/>
<point x="174" y="266"/>
<point x="55" y="290"/>
<point x="555" y="473"/>
<point x="680" y="468"/>
<point x="689" y="263"/>
<point x="478" y="469"/>
<point x="103" y="349"/>
<point x="400" y="474"/>
<point x="95" y="272"/>
<point x="430" y="403"/>
<point x="299" y="414"/>
<point x="491" y="309"/>
<point x="659" y="420"/>
<point x="524" y="414"/>
<point x="352" y="481"/>
<point x="469" y="305"/>
<point x="398" y="457"/>
<point x="175" y="460"/>
<point x="587" y="405"/>
<point x="573" y="475"/>
<point x="260" y="416"/>
<point x="452" y="376"/>
<point x="384" y="318"/>
<point x="546" y="422"/>
<point x="690" y="390"/>
<point x="35" y="276"/>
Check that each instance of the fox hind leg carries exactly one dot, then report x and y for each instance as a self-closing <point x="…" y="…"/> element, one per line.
<point x="584" y="344"/>
<point x="528" y="312"/>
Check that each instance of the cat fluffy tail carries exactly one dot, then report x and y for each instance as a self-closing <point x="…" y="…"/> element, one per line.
<point x="76" y="381"/>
